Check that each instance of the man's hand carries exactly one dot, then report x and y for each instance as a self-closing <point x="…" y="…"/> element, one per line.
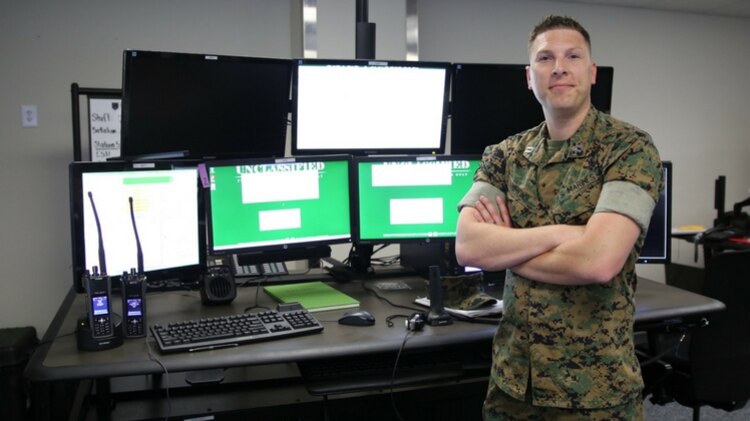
<point x="596" y="256"/>
<point x="485" y="237"/>
<point x="492" y="214"/>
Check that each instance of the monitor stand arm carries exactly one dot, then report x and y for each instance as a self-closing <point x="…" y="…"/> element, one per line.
<point x="359" y="258"/>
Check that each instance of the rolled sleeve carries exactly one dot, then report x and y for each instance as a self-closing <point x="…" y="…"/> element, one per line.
<point x="480" y="188"/>
<point x="628" y="199"/>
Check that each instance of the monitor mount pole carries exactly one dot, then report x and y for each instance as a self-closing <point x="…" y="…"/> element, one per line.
<point x="365" y="33"/>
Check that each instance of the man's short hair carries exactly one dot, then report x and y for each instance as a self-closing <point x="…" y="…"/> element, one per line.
<point x="559" y="22"/>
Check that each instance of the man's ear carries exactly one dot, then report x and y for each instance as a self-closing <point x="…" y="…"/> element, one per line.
<point x="528" y="77"/>
<point x="593" y="73"/>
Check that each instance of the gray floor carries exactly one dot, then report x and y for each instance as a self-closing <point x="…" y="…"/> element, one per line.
<point x="676" y="412"/>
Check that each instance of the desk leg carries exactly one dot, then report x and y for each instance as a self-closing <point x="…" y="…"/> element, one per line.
<point x="659" y="370"/>
<point x="80" y="400"/>
<point x="103" y="400"/>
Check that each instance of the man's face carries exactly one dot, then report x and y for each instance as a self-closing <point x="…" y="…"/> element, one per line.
<point x="561" y="72"/>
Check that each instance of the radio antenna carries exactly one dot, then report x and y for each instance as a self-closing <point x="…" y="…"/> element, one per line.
<point x="137" y="239"/>
<point x="102" y="261"/>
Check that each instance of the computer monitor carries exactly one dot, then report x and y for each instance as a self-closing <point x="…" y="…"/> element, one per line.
<point x="410" y="198"/>
<point x="657" y="247"/>
<point x="490" y="102"/>
<point x="168" y="214"/>
<point x="208" y="105"/>
<point x="371" y="107"/>
<point x="260" y="206"/>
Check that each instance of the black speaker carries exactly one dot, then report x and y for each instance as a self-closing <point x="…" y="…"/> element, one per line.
<point x="217" y="286"/>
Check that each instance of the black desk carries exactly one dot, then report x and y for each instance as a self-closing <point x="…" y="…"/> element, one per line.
<point x="657" y="305"/>
<point x="713" y="247"/>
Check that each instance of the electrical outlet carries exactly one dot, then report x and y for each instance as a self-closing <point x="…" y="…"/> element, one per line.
<point x="29" y="117"/>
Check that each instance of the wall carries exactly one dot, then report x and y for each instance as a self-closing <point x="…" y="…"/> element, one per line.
<point x="679" y="76"/>
<point x="47" y="45"/>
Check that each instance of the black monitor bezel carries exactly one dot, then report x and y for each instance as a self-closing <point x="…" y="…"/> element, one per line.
<point x="184" y="274"/>
<point x="359" y="151"/>
<point x="666" y="195"/>
<point x="227" y="148"/>
<point x="466" y="120"/>
<point x="395" y="158"/>
<point x="276" y="251"/>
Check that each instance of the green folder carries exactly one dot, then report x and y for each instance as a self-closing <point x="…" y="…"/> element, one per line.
<point x="314" y="296"/>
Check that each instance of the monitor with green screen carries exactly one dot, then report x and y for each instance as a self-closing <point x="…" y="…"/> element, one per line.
<point x="278" y="204"/>
<point x="410" y="198"/>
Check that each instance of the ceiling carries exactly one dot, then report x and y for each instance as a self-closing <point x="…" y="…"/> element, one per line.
<point x="731" y="8"/>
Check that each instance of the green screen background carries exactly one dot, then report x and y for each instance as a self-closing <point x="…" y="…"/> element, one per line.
<point x="234" y="223"/>
<point x="374" y="205"/>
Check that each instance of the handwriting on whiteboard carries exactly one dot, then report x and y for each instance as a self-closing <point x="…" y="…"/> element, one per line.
<point x="104" y="123"/>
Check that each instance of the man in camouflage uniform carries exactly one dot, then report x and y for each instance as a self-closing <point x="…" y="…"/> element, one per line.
<point x="564" y="207"/>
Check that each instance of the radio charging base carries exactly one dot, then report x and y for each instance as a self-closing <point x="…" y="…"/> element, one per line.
<point x="86" y="341"/>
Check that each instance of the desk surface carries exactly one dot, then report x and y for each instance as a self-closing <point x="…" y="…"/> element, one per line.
<point x="60" y="359"/>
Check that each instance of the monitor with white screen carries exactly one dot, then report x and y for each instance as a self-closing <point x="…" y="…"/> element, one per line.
<point x="289" y="204"/>
<point x="167" y="211"/>
<point x="365" y="107"/>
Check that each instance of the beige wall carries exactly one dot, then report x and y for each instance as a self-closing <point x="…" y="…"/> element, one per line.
<point x="681" y="77"/>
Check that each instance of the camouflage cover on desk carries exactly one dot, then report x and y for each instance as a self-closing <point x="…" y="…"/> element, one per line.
<point x="464" y="292"/>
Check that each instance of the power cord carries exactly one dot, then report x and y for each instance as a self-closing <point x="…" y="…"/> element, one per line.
<point x="49" y="341"/>
<point x="391" y="303"/>
<point x="155" y="359"/>
<point x="408" y="334"/>
<point x="258" y="286"/>
<point x="671" y="349"/>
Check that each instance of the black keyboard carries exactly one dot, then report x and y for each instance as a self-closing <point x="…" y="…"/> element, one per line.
<point x="233" y="330"/>
<point x="376" y="371"/>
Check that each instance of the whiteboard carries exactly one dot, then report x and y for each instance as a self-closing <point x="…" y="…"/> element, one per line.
<point x="104" y="127"/>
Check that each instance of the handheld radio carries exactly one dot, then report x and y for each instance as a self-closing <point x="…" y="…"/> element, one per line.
<point x="133" y="292"/>
<point x="98" y="303"/>
<point x="98" y="290"/>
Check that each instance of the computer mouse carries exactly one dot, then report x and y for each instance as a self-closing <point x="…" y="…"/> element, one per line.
<point x="357" y="318"/>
